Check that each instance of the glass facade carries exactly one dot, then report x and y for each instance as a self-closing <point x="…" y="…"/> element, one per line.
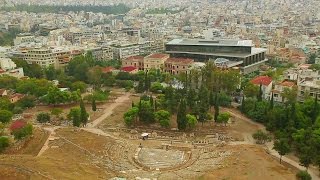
<point x="209" y="49"/>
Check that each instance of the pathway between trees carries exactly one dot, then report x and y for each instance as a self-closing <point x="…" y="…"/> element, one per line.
<point x="269" y="146"/>
<point x="91" y="127"/>
<point x="109" y="110"/>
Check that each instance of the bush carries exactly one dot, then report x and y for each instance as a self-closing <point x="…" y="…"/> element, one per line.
<point x="21" y="129"/>
<point x="43" y="117"/>
<point x="5" y="116"/>
<point x="224" y="99"/>
<point x="303" y="175"/>
<point x="156" y="87"/>
<point x="27" y="102"/>
<point x="98" y="96"/>
<point x="261" y="137"/>
<point x="4" y="143"/>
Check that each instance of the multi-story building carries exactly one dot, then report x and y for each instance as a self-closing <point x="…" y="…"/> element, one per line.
<point x="135" y="61"/>
<point x="42" y="56"/>
<point x="155" y="61"/>
<point x="7" y="64"/>
<point x="102" y="53"/>
<point x="177" y="65"/>
<point x="62" y="57"/>
<point x="308" y="88"/>
<point x="279" y="89"/>
<point x="8" y="67"/>
<point x="122" y="52"/>
<point x="248" y="58"/>
<point x="23" y="38"/>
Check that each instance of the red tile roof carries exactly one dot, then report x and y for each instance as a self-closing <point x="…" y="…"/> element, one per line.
<point x="135" y="58"/>
<point x="180" y="60"/>
<point x="107" y="69"/>
<point x="264" y="80"/>
<point x="2" y="71"/>
<point x="128" y="68"/>
<point x="157" y="56"/>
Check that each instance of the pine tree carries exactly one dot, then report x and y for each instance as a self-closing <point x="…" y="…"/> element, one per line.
<point x="94" y="106"/>
<point x="182" y="115"/>
<point x="83" y="113"/>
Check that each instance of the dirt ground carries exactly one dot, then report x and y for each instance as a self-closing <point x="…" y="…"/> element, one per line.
<point x="250" y="163"/>
<point x="62" y="161"/>
<point x="32" y="145"/>
<point x="78" y="154"/>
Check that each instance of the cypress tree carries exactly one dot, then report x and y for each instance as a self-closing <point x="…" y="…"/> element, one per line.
<point x="83" y="113"/>
<point x="155" y="105"/>
<point x="315" y="110"/>
<point x="259" y="98"/>
<point x="146" y="82"/>
<point x="94" y="106"/>
<point x="151" y="101"/>
<point x="181" y="115"/>
<point x="211" y="99"/>
<point x="216" y="107"/>
<point x="140" y="88"/>
<point x="139" y="108"/>
<point x="271" y="102"/>
<point x="243" y="105"/>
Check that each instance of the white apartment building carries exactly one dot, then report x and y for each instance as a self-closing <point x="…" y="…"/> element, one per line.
<point x="42" y="56"/>
<point x="8" y="67"/>
<point x="7" y="64"/>
<point x="123" y="52"/>
<point x="23" y="38"/>
<point x="309" y="88"/>
<point x="102" y="53"/>
<point x="147" y="47"/>
<point x="279" y="89"/>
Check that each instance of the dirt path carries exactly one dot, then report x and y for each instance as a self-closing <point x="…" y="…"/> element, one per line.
<point x="269" y="146"/>
<point x="51" y="136"/>
<point x="109" y="110"/>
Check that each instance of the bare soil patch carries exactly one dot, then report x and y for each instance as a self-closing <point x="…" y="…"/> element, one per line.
<point x="250" y="163"/>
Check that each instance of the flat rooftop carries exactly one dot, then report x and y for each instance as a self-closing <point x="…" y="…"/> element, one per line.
<point x="203" y="42"/>
<point x="226" y="55"/>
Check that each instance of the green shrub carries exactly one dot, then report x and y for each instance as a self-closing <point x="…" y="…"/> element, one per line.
<point x="43" y="117"/>
<point x="23" y="132"/>
<point x="5" y="116"/>
<point x="303" y="175"/>
<point x="4" y="143"/>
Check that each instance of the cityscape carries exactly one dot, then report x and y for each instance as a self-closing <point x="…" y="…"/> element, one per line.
<point x="145" y="89"/>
